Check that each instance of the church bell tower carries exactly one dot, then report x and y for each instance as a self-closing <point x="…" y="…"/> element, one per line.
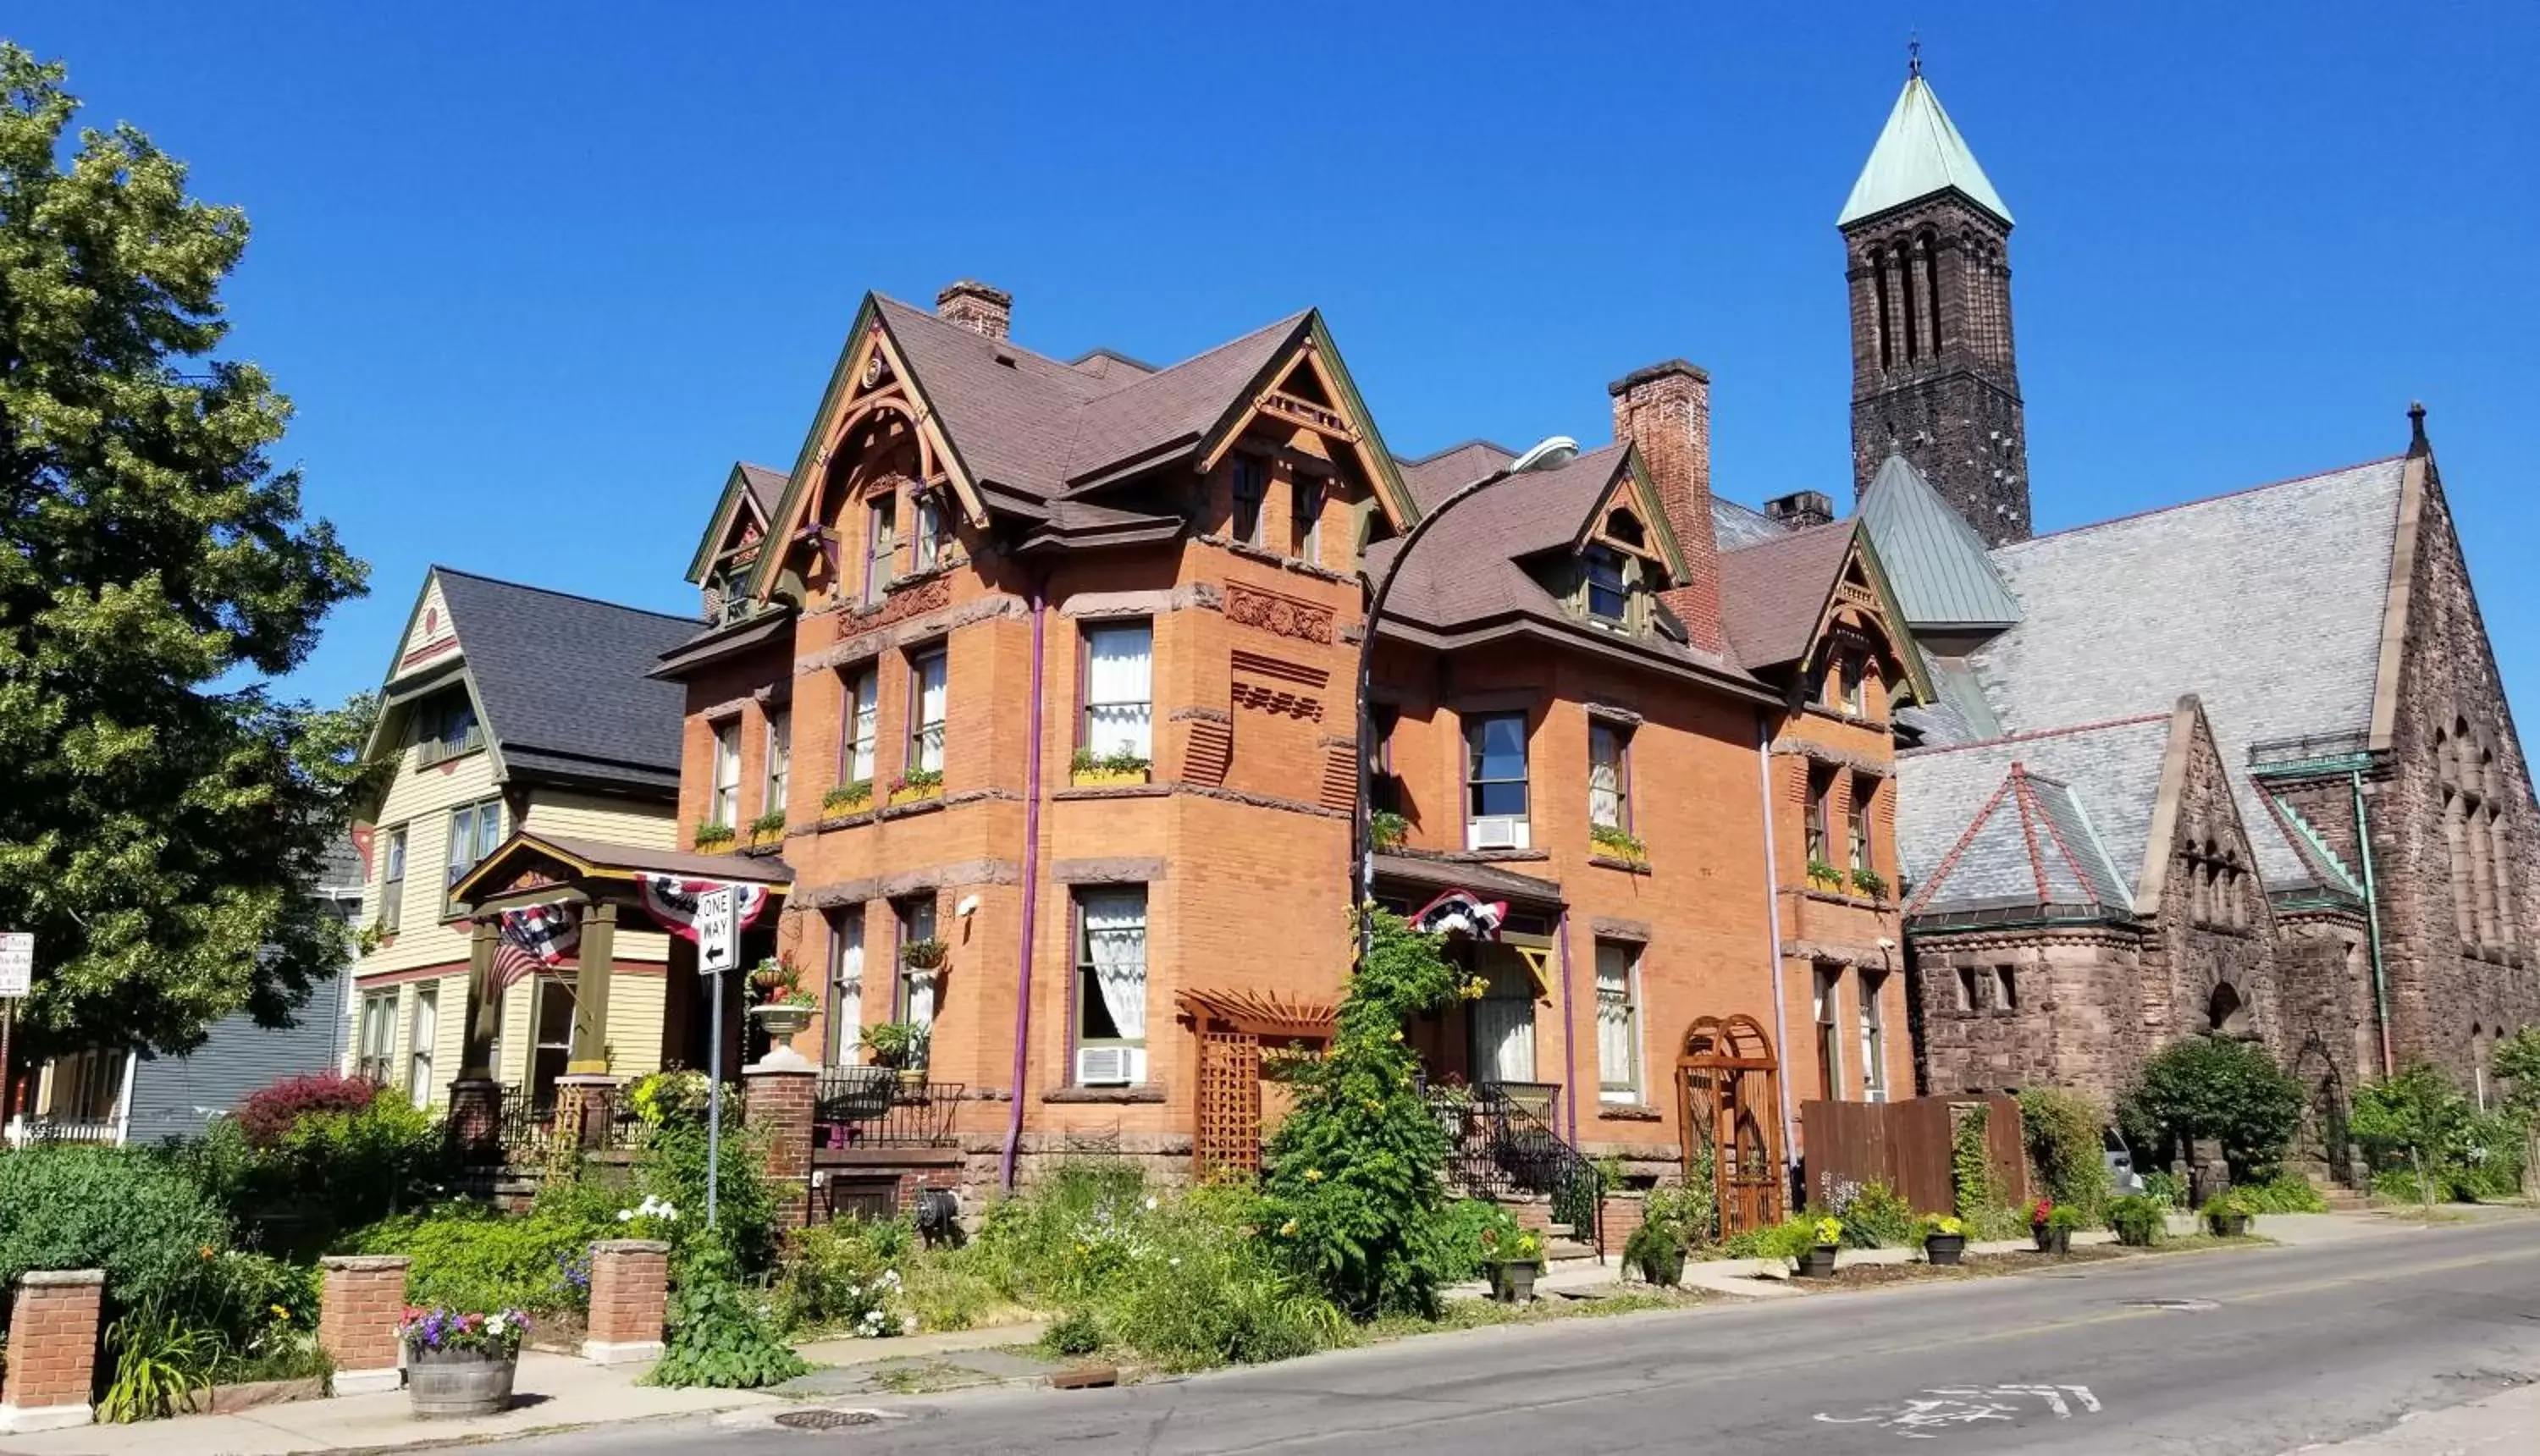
<point x="1927" y="256"/>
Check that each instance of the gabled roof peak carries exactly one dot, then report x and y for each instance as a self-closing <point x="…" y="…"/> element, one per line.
<point x="1919" y="153"/>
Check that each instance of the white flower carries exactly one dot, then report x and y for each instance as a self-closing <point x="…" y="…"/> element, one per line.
<point x="625" y="1215"/>
<point x="1175" y="1263"/>
<point x="1151" y="1202"/>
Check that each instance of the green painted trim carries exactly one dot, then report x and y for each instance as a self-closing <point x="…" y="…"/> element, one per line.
<point x="2315" y="768"/>
<point x="716" y="525"/>
<point x="1906" y="648"/>
<point x="1391" y="482"/>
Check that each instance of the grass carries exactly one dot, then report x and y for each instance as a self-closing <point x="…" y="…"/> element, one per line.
<point x="1479" y="1314"/>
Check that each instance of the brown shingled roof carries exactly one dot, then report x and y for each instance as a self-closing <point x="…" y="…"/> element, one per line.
<point x="1773" y="594"/>
<point x="766" y="487"/>
<point x="1434" y="477"/>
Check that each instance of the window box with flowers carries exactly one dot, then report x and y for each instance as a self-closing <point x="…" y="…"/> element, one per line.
<point x="848" y="798"/>
<point x="1618" y="843"/>
<point x="709" y="837"/>
<point x="767" y="828"/>
<point x="1870" y="882"/>
<point x="460" y="1363"/>
<point x="916" y="785"/>
<point x="1825" y="876"/>
<point x="1091" y="769"/>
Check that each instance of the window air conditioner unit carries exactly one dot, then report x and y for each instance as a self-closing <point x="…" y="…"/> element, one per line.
<point x="1875" y="1095"/>
<point x="1103" y="1067"/>
<point x="1498" y="832"/>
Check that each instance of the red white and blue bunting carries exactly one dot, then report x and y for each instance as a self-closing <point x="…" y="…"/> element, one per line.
<point x="673" y="901"/>
<point x="1461" y="913"/>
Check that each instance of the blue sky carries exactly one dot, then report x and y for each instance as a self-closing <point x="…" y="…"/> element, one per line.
<point x="537" y="275"/>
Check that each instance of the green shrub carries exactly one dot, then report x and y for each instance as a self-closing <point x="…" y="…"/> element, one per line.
<point x="1458" y="1237"/>
<point x="2065" y="1145"/>
<point x="1788" y="1239"/>
<point x="2230" y="1091"/>
<point x="466" y="1255"/>
<point x="1874" y="1217"/>
<point x="1353" y="1179"/>
<point x="128" y="1214"/>
<point x="1971" y="1176"/>
<point x="2286" y="1192"/>
<point x="2140" y="1221"/>
<point x="1685" y="1211"/>
<point x="672" y="1167"/>
<point x="844" y="1277"/>
<point x="1077" y="1332"/>
<point x="720" y="1334"/>
<point x="2165" y="1188"/>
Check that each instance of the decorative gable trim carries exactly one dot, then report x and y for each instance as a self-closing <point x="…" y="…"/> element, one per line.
<point x="1347" y="423"/>
<point x="717" y="542"/>
<point x="1633" y="474"/>
<point x="1869" y="606"/>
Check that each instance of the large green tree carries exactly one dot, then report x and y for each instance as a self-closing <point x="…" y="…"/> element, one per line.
<point x="162" y="811"/>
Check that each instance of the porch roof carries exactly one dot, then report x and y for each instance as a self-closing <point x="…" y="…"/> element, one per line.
<point x="506" y="871"/>
<point x="1480" y="877"/>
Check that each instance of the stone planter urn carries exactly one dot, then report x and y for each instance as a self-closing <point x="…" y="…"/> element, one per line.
<point x="1945" y="1250"/>
<point x="444" y="1384"/>
<point x="1512" y="1282"/>
<point x="782" y="1023"/>
<point x="2226" y="1226"/>
<point x="1818" y="1263"/>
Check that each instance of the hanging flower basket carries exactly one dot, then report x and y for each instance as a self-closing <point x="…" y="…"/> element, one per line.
<point x="924" y="957"/>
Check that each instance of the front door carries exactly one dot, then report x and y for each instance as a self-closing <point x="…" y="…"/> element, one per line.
<point x="1502" y="1046"/>
<point x="552" y="1044"/>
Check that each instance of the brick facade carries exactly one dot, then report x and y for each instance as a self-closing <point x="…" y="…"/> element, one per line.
<point x="630" y="1283"/>
<point x="52" y="1350"/>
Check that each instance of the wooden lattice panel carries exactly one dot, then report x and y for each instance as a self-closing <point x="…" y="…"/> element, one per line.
<point x="1227" y="1127"/>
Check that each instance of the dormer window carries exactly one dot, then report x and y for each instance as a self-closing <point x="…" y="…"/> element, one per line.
<point x="1609" y="593"/>
<point x="1625" y="527"/>
<point x="934" y="530"/>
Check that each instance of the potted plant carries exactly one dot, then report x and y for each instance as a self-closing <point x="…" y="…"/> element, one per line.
<point x="2140" y="1221"/>
<point x="1514" y="1260"/>
<point x="2052" y="1223"/>
<point x="1091" y="769"/>
<point x="900" y="1046"/>
<point x="924" y="959"/>
<point x="1618" y="844"/>
<point x="917" y="783"/>
<point x="1945" y="1240"/>
<point x="2227" y="1215"/>
<point x="1450" y="1101"/>
<point x="784" y="1009"/>
<point x="1657" y="1250"/>
<point x="460" y="1363"/>
<point x="1817" y="1260"/>
<point x="848" y="798"/>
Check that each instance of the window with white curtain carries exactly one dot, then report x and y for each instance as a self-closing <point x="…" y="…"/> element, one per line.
<point x="1119" y="689"/>
<point x="724" y="808"/>
<point x="934" y="530"/>
<point x="1874" y="1037"/>
<point x="779" y="760"/>
<point x="856" y="749"/>
<point x="1502" y="1020"/>
<point x="1111" y="971"/>
<point x="846" y="986"/>
<point x="475" y="830"/>
<point x="926" y="671"/>
<point x="880" y="541"/>
<point x="1618" y="1021"/>
<point x="419" y="1042"/>
<point x="916" y="916"/>
<point x="1609" y="779"/>
<point x="1829" y="995"/>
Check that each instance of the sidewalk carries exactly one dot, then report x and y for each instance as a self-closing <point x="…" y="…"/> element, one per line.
<point x="2493" y="1426"/>
<point x="554" y="1392"/>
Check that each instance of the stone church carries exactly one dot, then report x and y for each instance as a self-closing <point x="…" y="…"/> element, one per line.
<point x="2242" y="766"/>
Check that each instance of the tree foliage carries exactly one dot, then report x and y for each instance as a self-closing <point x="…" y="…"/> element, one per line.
<point x="162" y="812"/>
<point x="1353" y="1181"/>
<point x="2066" y="1146"/>
<point x="2214" y="1087"/>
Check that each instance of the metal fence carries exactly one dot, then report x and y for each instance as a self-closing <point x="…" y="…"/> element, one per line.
<point x="1502" y="1143"/>
<point x="872" y="1107"/>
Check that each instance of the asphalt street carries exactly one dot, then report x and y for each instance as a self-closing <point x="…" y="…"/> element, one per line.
<point x="2264" y="1350"/>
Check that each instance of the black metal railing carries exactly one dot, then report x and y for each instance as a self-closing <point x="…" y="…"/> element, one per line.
<point x="874" y="1107"/>
<point x="1501" y="1143"/>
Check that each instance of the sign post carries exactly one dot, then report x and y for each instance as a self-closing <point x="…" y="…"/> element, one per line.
<point x="17" y="979"/>
<point x="717" y="950"/>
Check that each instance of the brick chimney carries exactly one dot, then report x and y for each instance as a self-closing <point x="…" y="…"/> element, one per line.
<point x="1801" y="507"/>
<point x="1665" y="410"/>
<point x="976" y="307"/>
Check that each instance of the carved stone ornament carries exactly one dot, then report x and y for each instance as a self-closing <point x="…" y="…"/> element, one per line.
<point x="1285" y="616"/>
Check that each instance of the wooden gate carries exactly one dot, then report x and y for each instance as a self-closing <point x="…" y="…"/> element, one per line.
<point x="1225" y="1130"/>
<point x="1729" y="1081"/>
<point x="1911" y="1147"/>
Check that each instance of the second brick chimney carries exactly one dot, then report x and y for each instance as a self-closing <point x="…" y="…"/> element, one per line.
<point x="976" y="307"/>
<point x="1665" y="410"/>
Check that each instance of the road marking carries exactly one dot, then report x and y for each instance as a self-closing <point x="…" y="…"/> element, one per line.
<point x="1924" y="1416"/>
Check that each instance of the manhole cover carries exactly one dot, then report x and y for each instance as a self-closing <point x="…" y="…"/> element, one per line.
<point x="826" y="1419"/>
<point x="2184" y="1305"/>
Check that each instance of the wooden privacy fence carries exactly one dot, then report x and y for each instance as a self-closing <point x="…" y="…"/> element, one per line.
<point x="1907" y="1145"/>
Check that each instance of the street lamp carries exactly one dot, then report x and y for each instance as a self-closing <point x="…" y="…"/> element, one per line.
<point x="1549" y="454"/>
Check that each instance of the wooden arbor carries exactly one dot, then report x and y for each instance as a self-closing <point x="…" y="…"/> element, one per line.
<point x="1235" y="1028"/>
<point x="1729" y="1080"/>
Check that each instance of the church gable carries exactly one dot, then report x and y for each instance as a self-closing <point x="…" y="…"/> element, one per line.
<point x="2201" y="864"/>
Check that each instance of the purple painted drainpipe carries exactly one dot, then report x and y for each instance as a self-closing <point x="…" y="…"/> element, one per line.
<point x="1031" y="883"/>
<point x="1569" y="1030"/>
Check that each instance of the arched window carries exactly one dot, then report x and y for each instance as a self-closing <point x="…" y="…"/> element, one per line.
<point x="1928" y="245"/>
<point x="1886" y="321"/>
<point x="2226" y="1015"/>
<point x="1905" y="275"/>
<point x="2474" y="838"/>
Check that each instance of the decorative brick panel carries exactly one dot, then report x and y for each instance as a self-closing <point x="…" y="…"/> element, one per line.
<point x="630" y="1291"/>
<point x="359" y="1309"/>
<point x="52" y="1350"/>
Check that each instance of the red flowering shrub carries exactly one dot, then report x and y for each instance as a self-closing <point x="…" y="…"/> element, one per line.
<point x="268" y="1115"/>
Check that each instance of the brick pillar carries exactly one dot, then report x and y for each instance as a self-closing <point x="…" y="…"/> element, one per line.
<point x="52" y="1350"/>
<point x="584" y="1104"/>
<point x="477" y="1120"/>
<point x="782" y="1086"/>
<point x="358" y="1314"/>
<point x="631" y="1295"/>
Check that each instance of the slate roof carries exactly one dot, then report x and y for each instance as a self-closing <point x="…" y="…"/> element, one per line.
<point x="1919" y="153"/>
<point x="562" y="680"/>
<point x="1734" y="525"/>
<point x="1950" y="801"/>
<point x="2266" y="604"/>
<point x="1936" y="561"/>
<point x="1773" y="594"/>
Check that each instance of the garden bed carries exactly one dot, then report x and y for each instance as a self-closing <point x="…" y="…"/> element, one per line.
<point x="1867" y="1276"/>
<point x="229" y="1399"/>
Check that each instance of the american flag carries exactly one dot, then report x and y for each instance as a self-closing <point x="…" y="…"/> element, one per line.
<point x="534" y="937"/>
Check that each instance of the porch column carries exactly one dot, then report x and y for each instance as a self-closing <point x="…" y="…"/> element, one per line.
<point x="586" y="1095"/>
<point x="475" y="1098"/>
